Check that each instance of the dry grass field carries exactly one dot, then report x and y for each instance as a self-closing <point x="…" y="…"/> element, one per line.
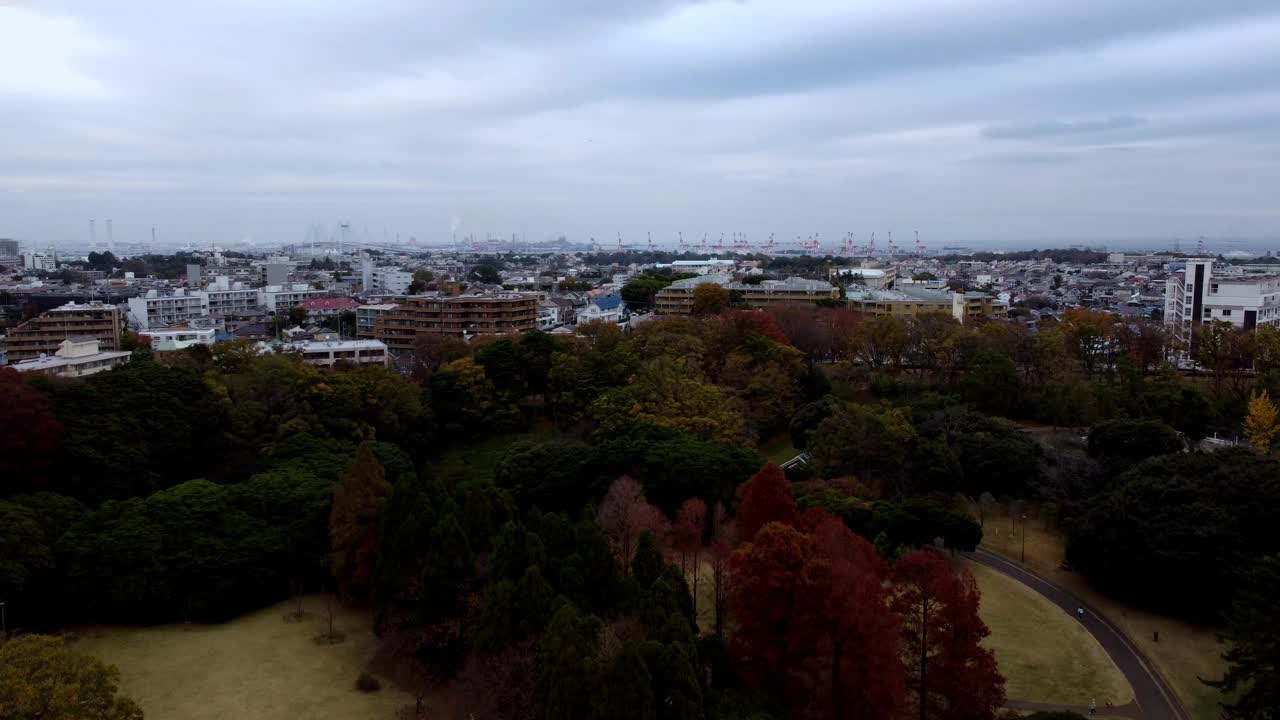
<point x="1185" y="652"/>
<point x="256" y="667"/>
<point x="1044" y="654"/>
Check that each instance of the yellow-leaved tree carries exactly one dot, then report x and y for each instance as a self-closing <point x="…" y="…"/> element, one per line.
<point x="1262" y="423"/>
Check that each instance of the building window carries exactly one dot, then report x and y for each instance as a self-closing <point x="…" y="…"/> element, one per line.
<point x="1226" y="313"/>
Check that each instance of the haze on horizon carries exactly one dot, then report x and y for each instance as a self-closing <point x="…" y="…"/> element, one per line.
<point x="978" y="122"/>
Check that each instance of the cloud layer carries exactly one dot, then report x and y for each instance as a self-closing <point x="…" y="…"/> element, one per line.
<point x="984" y="121"/>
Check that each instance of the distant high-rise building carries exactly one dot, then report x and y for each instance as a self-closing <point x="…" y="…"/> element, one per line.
<point x="8" y="248"/>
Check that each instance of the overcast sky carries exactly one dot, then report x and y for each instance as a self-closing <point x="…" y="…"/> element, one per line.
<point x="973" y="121"/>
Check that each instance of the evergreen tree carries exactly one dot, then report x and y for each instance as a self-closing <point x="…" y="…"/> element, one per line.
<point x="1254" y="633"/>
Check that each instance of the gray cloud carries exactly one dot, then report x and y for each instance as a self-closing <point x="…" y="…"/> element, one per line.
<point x="234" y="117"/>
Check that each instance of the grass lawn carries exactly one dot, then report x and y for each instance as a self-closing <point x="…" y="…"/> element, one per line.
<point x="778" y="449"/>
<point x="256" y="667"/>
<point x="1185" y="653"/>
<point x="1044" y="655"/>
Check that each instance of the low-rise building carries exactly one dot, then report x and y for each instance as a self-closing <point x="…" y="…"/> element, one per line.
<point x="498" y="313"/>
<point x="677" y="298"/>
<point x="326" y="353"/>
<point x="321" y="308"/>
<point x="43" y="334"/>
<point x="76" y="357"/>
<point x="912" y="301"/>
<point x="607" y="308"/>
<point x="171" y="339"/>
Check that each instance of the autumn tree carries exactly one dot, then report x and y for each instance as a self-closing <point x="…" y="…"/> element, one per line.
<point x="40" y="679"/>
<point x="625" y="515"/>
<point x="709" y="299"/>
<point x="949" y="674"/>
<point x="723" y="539"/>
<point x="879" y="342"/>
<point x="29" y="433"/>
<point x="763" y="499"/>
<point x="691" y="522"/>
<point x="353" y="522"/>
<point x="1262" y="423"/>
<point x="768" y="592"/>
<point x="848" y="630"/>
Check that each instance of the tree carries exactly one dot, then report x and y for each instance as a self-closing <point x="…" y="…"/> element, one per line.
<point x="849" y="632"/>
<point x="709" y="299"/>
<point x="297" y="315"/>
<point x="40" y="679"/>
<point x="767" y="600"/>
<point x="1177" y="532"/>
<point x="502" y="684"/>
<point x="486" y="274"/>
<point x="950" y="675"/>
<point x="29" y="434"/>
<point x="690" y="525"/>
<point x="863" y="440"/>
<point x="625" y="515"/>
<point x="1120" y="444"/>
<point x="763" y="499"/>
<point x="1253" y="672"/>
<point x="723" y="539"/>
<point x="353" y="522"/>
<point x="568" y="663"/>
<point x="879" y="342"/>
<point x="1262" y="424"/>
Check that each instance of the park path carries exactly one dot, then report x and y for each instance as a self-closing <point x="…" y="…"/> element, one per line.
<point x="1128" y="710"/>
<point x="1154" y="699"/>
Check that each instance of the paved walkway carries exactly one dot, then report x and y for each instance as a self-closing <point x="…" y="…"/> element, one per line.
<point x="1154" y="699"/>
<point x="1129" y="710"/>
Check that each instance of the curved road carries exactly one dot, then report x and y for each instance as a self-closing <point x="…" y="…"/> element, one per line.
<point x="1155" y="699"/>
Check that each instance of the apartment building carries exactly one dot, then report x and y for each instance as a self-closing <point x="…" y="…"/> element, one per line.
<point x="162" y="308"/>
<point x="911" y="301"/>
<point x="677" y="298"/>
<point x="367" y="316"/>
<point x="1196" y="294"/>
<point x="75" y="357"/>
<point x="461" y="315"/>
<point x="43" y="334"/>
<point x="279" y="298"/>
<point x="230" y="298"/>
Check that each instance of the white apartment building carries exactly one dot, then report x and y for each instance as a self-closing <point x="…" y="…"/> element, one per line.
<point x="180" y="338"/>
<point x="279" y="298"/>
<point x="230" y="298"/>
<point x="40" y="261"/>
<point x="389" y="280"/>
<point x="1196" y="295"/>
<point x="158" y="309"/>
<point x="76" y="357"/>
<point x="367" y="316"/>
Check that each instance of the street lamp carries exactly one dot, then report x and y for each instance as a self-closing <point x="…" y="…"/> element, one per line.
<point x="1024" y="538"/>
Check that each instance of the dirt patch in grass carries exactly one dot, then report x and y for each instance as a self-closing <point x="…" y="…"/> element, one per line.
<point x="1044" y="655"/>
<point x="256" y="667"/>
<point x="1185" y="653"/>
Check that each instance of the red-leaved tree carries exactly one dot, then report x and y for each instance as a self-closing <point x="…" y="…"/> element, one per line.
<point x="691" y="521"/>
<point x="625" y="514"/>
<point x="763" y="499"/>
<point x="950" y="676"/>
<point x="723" y="539"/>
<point x="768" y="590"/>
<point x="29" y="433"/>
<point x="848" y="630"/>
